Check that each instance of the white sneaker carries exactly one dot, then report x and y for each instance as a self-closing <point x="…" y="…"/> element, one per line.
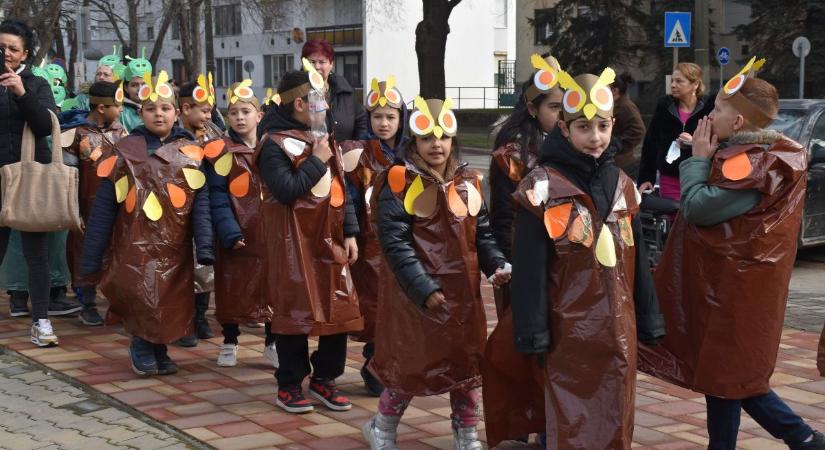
<point x="255" y="324"/>
<point x="228" y="357"/>
<point x="43" y="334"/>
<point x="271" y="354"/>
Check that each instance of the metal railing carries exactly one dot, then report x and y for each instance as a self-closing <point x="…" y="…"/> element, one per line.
<point x="469" y="97"/>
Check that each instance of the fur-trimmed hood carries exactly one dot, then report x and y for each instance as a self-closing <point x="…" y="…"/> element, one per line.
<point x="761" y="137"/>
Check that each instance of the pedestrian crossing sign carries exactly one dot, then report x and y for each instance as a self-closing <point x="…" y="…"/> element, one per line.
<point x="677" y="29"/>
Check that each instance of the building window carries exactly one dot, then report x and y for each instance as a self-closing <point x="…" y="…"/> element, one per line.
<point x="228" y="20"/>
<point x="349" y="64"/>
<point x="229" y="70"/>
<point x="500" y="14"/>
<point x="541" y="24"/>
<point x="275" y="66"/>
<point x="351" y="35"/>
<point x="175" y="29"/>
<point x="150" y="33"/>
<point x="269" y="24"/>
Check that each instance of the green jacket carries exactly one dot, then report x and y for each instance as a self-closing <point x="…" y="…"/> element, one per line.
<point x="130" y="118"/>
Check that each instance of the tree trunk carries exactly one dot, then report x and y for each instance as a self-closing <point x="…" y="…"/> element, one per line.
<point x="431" y="45"/>
<point x="197" y="43"/>
<point x="133" y="29"/>
<point x="190" y="41"/>
<point x="168" y="16"/>
<point x="209" y="35"/>
<point x="71" y="29"/>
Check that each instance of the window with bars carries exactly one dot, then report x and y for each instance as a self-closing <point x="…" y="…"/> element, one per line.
<point x="228" y="71"/>
<point x="349" y="64"/>
<point x="338" y="36"/>
<point x="228" y="20"/>
<point x="275" y="66"/>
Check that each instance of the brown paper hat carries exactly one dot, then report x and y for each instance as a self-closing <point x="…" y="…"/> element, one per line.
<point x="423" y="123"/>
<point x="730" y="92"/>
<point x="545" y="78"/>
<point x="383" y="93"/>
<point x="587" y="95"/>
<point x="242" y="92"/>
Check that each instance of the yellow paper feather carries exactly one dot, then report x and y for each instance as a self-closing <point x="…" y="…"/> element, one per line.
<point x="607" y="77"/>
<point x="390" y="82"/>
<point x="421" y="105"/>
<point x="539" y="63"/>
<point x="567" y="82"/>
<point x="374" y="86"/>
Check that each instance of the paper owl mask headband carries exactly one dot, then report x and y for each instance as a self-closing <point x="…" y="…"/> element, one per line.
<point x="272" y="97"/>
<point x="315" y="81"/>
<point x="204" y="92"/>
<point x="242" y="92"/>
<point x="423" y="123"/>
<point x="730" y="92"/>
<point x="115" y="100"/>
<point x="383" y="93"/>
<point x="159" y="90"/>
<point x="587" y="95"/>
<point x="545" y="78"/>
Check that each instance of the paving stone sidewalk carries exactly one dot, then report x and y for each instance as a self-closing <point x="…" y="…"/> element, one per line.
<point x="40" y="410"/>
<point x="233" y="407"/>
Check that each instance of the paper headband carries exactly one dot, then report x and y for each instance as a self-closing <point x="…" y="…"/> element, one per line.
<point x="160" y="89"/>
<point x="204" y="92"/>
<point x="383" y="93"/>
<point x="730" y="92"/>
<point x="422" y="122"/>
<point x="545" y="78"/>
<point x="587" y="95"/>
<point x="115" y="100"/>
<point x="272" y="96"/>
<point x="315" y="81"/>
<point x="242" y="92"/>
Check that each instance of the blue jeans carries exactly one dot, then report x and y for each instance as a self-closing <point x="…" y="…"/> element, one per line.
<point x="768" y="410"/>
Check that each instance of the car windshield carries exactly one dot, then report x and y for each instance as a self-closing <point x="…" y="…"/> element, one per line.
<point x="789" y="122"/>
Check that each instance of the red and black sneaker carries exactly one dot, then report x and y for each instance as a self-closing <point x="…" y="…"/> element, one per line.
<point x="292" y="400"/>
<point x="328" y="393"/>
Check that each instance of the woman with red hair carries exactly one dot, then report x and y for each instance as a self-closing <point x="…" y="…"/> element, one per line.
<point x="348" y="118"/>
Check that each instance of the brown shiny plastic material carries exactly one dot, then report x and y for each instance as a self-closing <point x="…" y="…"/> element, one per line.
<point x="820" y="354"/>
<point x="89" y="146"/>
<point x="239" y="274"/>
<point x="509" y="161"/>
<point x="149" y="281"/>
<point x="723" y="288"/>
<point x="366" y="272"/>
<point x="309" y="282"/>
<point x="590" y="376"/>
<point x="428" y="352"/>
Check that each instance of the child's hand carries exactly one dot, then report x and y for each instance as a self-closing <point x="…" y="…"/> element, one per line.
<point x="239" y="245"/>
<point x="320" y="148"/>
<point x="351" y="246"/>
<point x="435" y="299"/>
<point x="704" y="141"/>
<point x="501" y="277"/>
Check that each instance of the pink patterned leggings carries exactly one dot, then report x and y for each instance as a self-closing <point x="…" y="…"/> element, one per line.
<point x="463" y="402"/>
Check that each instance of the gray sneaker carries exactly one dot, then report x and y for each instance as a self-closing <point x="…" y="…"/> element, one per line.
<point x="60" y="304"/>
<point x="18" y="303"/>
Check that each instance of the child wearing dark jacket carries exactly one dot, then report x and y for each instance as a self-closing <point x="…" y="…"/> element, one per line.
<point x="150" y="205"/>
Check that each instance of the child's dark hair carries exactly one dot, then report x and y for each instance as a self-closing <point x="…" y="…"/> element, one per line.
<point x="623" y="82"/>
<point x="22" y="30"/>
<point x="187" y="89"/>
<point x="522" y="127"/>
<point x="102" y="89"/>
<point x="291" y="80"/>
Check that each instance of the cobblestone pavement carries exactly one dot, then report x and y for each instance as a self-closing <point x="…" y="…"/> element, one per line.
<point x="40" y="410"/>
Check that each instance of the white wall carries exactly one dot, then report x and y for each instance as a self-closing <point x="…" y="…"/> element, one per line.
<point x="390" y="48"/>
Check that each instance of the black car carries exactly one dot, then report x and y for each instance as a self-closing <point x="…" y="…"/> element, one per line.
<point x="804" y="122"/>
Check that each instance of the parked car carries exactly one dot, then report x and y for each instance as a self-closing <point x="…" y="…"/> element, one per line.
<point x="804" y="121"/>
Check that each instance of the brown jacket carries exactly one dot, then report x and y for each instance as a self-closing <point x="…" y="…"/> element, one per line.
<point x="724" y="287"/>
<point x="629" y="128"/>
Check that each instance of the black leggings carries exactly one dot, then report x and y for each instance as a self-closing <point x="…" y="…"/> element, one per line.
<point x="36" y="253"/>
<point x="231" y="331"/>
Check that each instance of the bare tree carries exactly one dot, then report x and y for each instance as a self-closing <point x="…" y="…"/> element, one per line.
<point x="431" y="46"/>
<point x="189" y="17"/>
<point x="43" y="16"/>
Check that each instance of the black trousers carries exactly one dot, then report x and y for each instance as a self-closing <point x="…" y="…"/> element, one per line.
<point x="36" y="254"/>
<point x="295" y="362"/>
<point x="231" y="331"/>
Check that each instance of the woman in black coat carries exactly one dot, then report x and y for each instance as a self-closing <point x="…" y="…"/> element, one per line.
<point x="26" y="99"/>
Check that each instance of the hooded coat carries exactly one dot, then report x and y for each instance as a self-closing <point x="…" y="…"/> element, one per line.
<point x="436" y="236"/>
<point x="724" y="287"/>
<point x="89" y="144"/>
<point x="306" y="215"/>
<point x="364" y="162"/>
<point x="150" y="206"/>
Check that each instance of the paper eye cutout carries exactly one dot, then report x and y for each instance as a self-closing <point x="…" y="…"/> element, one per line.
<point x="545" y="80"/>
<point x="200" y="94"/>
<point x="421" y="124"/>
<point x="393" y="96"/>
<point x="144" y="92"/>
<point x="573" y="101"/>
<point x="602" y="97"/>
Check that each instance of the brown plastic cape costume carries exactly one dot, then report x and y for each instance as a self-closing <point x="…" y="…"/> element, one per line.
<point x="513" y="382"/>
<point x="89" y="145"/>
<point x="239" y="274"/>
<point x="150" y="276"/>
<point x="590" y="371"/>
<point x="309" y="282"/>
<point x="820" y="354"/>
<point x="417" y="351"/>
<point x="363" y="161"/>
<point x="723" y="288"/>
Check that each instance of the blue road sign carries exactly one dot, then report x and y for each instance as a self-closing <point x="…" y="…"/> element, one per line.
<point x="677" y="29"/>
<point x="723" y="56"/>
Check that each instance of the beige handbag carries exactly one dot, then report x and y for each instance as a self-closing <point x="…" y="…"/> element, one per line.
<point x="40" y="197"/>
